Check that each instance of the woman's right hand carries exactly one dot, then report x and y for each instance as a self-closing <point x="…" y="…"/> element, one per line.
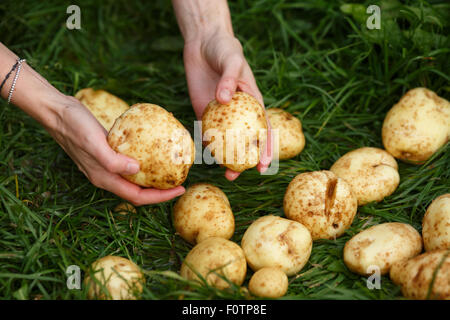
<point x="84" y="139"/>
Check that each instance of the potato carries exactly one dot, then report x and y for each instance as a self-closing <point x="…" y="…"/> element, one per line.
<point x="269" y="282"/>
<point x="381" y="245"/>
<point x="215" y="258"/>
<point x="159" y="142"/>
<point x="235" y="133"/>
<point x="116" y="278"/>
<point x="436" y="224"/>
<point x="290" y="133"/>
<point x="417" y="126"/>
<point x="125" y="208"/>
<point x="272" y="241"/>
<point x="203" y="211"/>
<point x="322" y="202"/>
<point x="417" y="275"/>
<point x="371" y="172"/>
<point x="105" y="106"/>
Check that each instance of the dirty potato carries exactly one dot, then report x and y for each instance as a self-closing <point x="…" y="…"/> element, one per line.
<point x="116" y="278"/>
<point x="272" y="241"/>
<point x="436" y="224"/>
<point x="105" y="106"/>
<point x="158" y="141"/>
<point x="371" y="172"/>
<point x="381" y="246"/>
<point x="417" y="126"/>
<point x="235" y="133"/>
<point x="322" y="202"/>
<point x="203" y="211"/>
<point x="269" y="282"/>
<point x="290" y="134"/>
<point x="426" y="276"/>
<point x="124" y="209"/>
<point x="214" y="259"/>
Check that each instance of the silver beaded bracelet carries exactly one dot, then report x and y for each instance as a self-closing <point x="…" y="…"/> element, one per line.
<point x="13" y="86"/>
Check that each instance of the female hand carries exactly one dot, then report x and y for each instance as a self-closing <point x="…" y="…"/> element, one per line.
<point x="84" y="140"/>
<point x="78" y="132"/>
<point x="215" y="69"/>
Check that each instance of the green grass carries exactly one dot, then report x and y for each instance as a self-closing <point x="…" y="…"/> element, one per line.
<point x="308" y="57"/>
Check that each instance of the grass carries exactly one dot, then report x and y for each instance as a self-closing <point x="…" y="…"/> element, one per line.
<point x="308" y="57"/>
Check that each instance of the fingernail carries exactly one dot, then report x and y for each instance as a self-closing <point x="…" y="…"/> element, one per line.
<point x="225" y="95"/>
<point x="180" y="192"/>
<point x="132" y="168"/>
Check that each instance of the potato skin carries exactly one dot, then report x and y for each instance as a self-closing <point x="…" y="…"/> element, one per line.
<point x="269" y="282"/>
<point x="381" y="245"/>
<point x="436" y="224"/>
<point x="122" y="279"/>
<point x="105" y="106"/>
<point x="417" y="126"/>
<point x="222" y="256"/>
<point x="157" y="140"/>
<point x="125" y="208"/>
<point x="272" y="241"/>
<point x="291" y="137"/>
<point x="415" y="275"/>
<point x="243" y="113"/>
<point x="322" y="202"/>
<point x="371" y="172"/>
<point x="203" y="211"/>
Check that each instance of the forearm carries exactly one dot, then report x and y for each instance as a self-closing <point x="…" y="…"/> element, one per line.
<point x="197" y="18"/>
<point x="33" y="94"/>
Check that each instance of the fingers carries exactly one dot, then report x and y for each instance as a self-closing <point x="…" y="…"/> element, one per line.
<point x="115" y="162"/>
<point x="266" y="156"/>
<point x="249" y="85"/>
<point x="229" y="80"/>
<point x="135" y="194"/>
<point x="231" y="175"/>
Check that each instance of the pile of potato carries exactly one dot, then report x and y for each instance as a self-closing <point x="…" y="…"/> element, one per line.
<point x="318" y="205"/>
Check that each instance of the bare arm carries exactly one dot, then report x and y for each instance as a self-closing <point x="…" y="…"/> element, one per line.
<point x="33" y="94"/>
<point x="200" y="18"/>
<point x="214" y="61"/>
<point x="78" y="132"/>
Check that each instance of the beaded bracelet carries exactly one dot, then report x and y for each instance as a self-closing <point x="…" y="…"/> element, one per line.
<point x="13" y="86"/>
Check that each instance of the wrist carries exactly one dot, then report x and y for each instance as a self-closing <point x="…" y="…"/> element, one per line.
<point x="54" y="105"/>
<point x="205" y="34"/>
<point x="199" y="19"/>
<point x="38" y="98"/>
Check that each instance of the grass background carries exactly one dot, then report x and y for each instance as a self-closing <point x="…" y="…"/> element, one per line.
<point x="312" y="58"/>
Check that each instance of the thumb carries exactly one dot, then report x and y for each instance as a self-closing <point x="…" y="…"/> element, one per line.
<point x="229" y="80"/>
<point x="115" y="162"/>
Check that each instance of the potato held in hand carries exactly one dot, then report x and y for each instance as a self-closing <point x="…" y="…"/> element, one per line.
<point x="203" y="211"/>
<point x="381" y="246"/>
<point x="116" y="278"/>
<point x="371" y="172"/>
<point x="215" y="259"/>
<point x="235" y="133"/>
<point x="159" y="142"/>
<point x="436" y="224"/>
<point x="424" y="277"/>
<point x="271" y="241"/>
<point x="290" y="133"/>
<point x="322" y="202"/>
<point x="105" y="106"/>
<point x="417" y="126"/>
